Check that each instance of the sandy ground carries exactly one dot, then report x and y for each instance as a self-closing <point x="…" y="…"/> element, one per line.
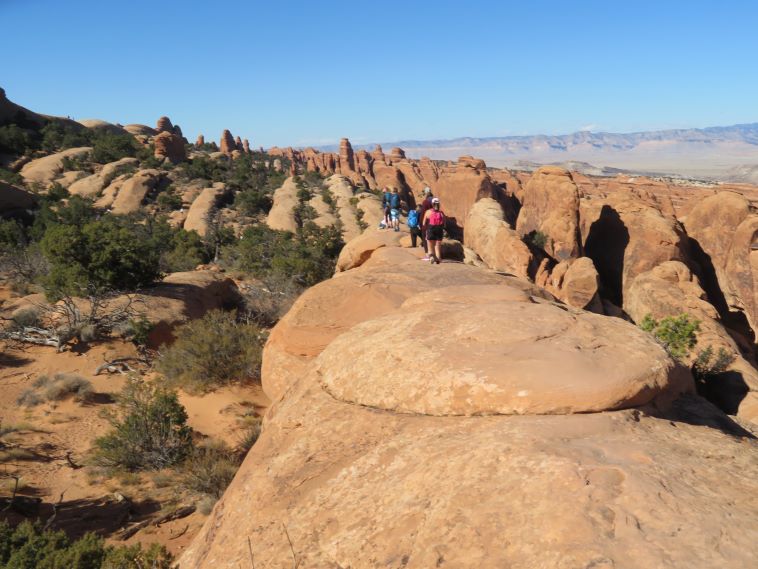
<point x="50" y="432"/>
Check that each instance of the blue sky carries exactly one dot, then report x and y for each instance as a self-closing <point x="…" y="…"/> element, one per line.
<point x="307" y="72"/>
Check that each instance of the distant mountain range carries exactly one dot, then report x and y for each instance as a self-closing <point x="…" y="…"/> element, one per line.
<point x="721" y="152"/>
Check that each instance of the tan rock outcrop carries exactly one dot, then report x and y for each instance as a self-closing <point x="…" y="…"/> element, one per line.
<point x="246" y="146"/>
<point x="201" y="209"/>
<point x="200" y="140"/>
<point x="670" y="289"/>
<point x="498" y="245"/>
<point x="140" y="130"/>
<point x="133" y="191"/>
<point x="347" y="162"/>
<point x="102" y="126"/>
<point x="238" y="143"/>
<point x="92" y="186"/>
<point x="43" y="171"/>
<point x="282" y="216"/>
<point x="625" y="235"/>
<point x="227" y="144"/>
<point x="357" y="485"/>
<point x="551" y="207"/>
<point x="460" y="189"/>
<point x="725" y="230"/>
<point x="170" y="146"/>
<point x="164" y="125"/>
<point x="576" y="282"/>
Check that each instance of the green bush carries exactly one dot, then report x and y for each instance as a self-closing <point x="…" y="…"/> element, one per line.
<point x="708" y="365"/>
<point x="111" y="253"/>
<point x="187" y="251"/>
<point x="11" y="177"/>
<point x="108" y="147"/>
<point x="211" y="351"/>
<point x="29" y="546"/>
<point x="306" y="258"/>
<point x="15" y="140"/>
<point x="209" y="469"/>
<point x="538" y="239"/>
<point x="60" y="135"/>
<point x="678" y="334"/>
<point x="149" y="430"/>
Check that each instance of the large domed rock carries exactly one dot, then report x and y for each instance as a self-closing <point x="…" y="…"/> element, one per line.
<point x="92" y="186"/>
<point x="198" y="216"/>
<point x="43" y="171"/>
<point x="103" y="126"/>
<point x="170" y="146"/>
<point x="343" y="477"/>
<point x="281" y="216"/>
<point x="133" y="191"/>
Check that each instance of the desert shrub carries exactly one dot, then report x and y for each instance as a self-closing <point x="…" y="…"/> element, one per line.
<point x="149" y="430"/>
<point x="64" y="385"/>
<point x="249" y="435"/>
<point x="29" y="546"/>
<point x="359" y="213"/>
<point x="538" y="239"/>
<point x="186" y="251"/>
<point x="111" y="253"/>
<point x="137" y="330"/>
<point x="209" y="469"/>
<point x="211" y="351"/>
<point x="708" y="365"/>
<point x="205" y="168"/>
<point x="677" y="334"/>
<point x="306" y="258"/>
<point x="15" y="140"/>
<point x="75" y="163"/>
<point x="108" y="147"/>
<point x="29" y="398"/>
<point x="29" y="316"/>
<point x="11" y="177"/>
<point x="266" y="303"/>
<point x="56" y="192"/>
<point x="168" y="201"/>
<point x="59" y="135"/>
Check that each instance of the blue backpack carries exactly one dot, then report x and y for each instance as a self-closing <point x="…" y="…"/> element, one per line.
<point x="412" y="218"/>
<point x="395" y="201"/>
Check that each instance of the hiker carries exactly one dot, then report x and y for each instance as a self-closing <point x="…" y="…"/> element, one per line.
<point x="414" y="224"/>
<point x="386" y="199"/>
<point x="434" y="221"/>
<point x="426" y="205"/>
<point x="395" y="209"/>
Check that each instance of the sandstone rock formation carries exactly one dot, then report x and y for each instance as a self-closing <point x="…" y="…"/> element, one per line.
<point x="201" y="209"/>
<point x="626" y="235"/>
<point x="104" y="126"/>
<point x="133" y="191"/>
<point x="43" y="171"/>
<point x="576" y="282"/>
<point x="351" y="478"/>
<point x="347" y="163"/>
<point x="140" y="130"/>
<point x="281" y="216"/>
<point x="498" y="245"/>
<point x="551" y="207"/>
<point x="91" y="186"/>
<point x="164" y="125"/>
<point x="238" y="143"/>
<point x="200" y="140"/>
<point x="246" y="146"/>
<point x="227" y="144"/>
<point x="170" y="146"/>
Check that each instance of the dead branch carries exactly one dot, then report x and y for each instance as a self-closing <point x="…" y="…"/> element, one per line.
<point x="56" y="507"/>
<point x="179" y="513"/>
<point x="118" y="365"/>
<point x="71" y="462"/>
<point x="295" y="562"/>
<point x="181" y="533"/>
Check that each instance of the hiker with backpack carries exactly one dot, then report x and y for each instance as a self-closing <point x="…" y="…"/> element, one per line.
<point x="426" y="205"/>
<point x="414" y="224"/>
<point x="434" y="221"/>
<point x="386" y="199"/>
<point x="395" y="209"/>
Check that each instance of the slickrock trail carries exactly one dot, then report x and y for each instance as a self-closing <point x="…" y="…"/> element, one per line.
<point x="449" y="416"/>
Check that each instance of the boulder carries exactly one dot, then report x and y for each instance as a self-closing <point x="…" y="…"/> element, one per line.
<point x="134" y="190"/>
<point x="281" y="216"/>
<point x="164" y="125"/>
<point x="140" y="130"/>
<point x="92" y="186"/>
<point x="103" y="126"/>
<point x="43" y="171"/>
<point x="460" y="189"/>
<point x="358" y="250"/>
<point x="724" y="231"/>
<point x="490" y="237"/>
<point x="576" y="282"/>
<point x="227" y="144"/>
<point x="551" y="207"/>
<point x="348" y="478"/>
<point x="670" y="289"/>
<point x="170" y="146"/>
<point x="626" y="235"/>
<point x="201" y="209"/>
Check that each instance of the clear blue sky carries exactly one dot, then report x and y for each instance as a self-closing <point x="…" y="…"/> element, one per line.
<point x="309" y="72"/>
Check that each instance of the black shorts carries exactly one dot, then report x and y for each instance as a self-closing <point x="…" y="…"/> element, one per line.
<point x="434" y="233"/>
